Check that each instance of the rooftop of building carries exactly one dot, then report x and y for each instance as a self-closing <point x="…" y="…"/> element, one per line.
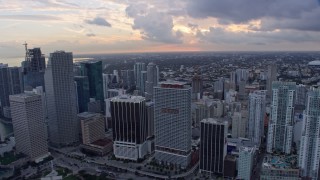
<point x="171" y="82"/>
<point x="88" y="114"/>
<point x="240" y="142"/>
<point x="247" y="149"/>
<point x="25" y="95"/>
<point x="128" y="98"/>
<point x="102" y="142"/>
<point x="219" y="121"/>
<point x="280" y="162"/>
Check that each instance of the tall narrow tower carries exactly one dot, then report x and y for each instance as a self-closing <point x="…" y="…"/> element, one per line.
<point x="257" y="109"/>
<point x="152" y="80"/>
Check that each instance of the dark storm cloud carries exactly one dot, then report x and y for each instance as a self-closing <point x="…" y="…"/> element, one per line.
<point x="221" y="36"/>
<point x="242" y="11"/>
<point x="153" y="25"/>
<point x="99" y="22"/>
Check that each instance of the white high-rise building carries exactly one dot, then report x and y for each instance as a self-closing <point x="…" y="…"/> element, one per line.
<point x="245" y="162"/>
<point x="172" y="123"/>
<point x="29" y="126"/>
<point x="309" y="154"/>
<point x="152" y="80"/>
<point x="280" y="131"/>
<point x="64" y="126"/>
<point x="257" y="110"/>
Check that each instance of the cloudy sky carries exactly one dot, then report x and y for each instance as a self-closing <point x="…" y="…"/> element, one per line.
<point x="115" y="26"/>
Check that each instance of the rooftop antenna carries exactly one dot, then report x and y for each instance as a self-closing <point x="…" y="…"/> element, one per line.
<point x="26" y="47"/>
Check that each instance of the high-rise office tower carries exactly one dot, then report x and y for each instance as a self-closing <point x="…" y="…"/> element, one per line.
<point x="257" y="110"/>
<point x="197" y="86"/>
<point x="152" y="80"/>
<point x="233" y="80"/>
<point x="33" y="68"/>
<point x="92" y="127"/>
<point x="29" y="126"/>
<point x="83" y="93"/>
<point x="309" y="154"/>
<point x="246" y="161"/>
<point x="150" y="118"/>
<point x="4" y="85"/>
<point x="272" y="76"/>
<point x="242" y="90"/>
<point x="108" y="81"/>
<point x="143" y="82"/>
<point x="130" y="127"/>
<point x="172" y="123"/>
<point x="61" y="99"/>
<point x="239" y="124"/>
<point x="93" y="70"/>
<point x="213" y="146"/>
<point x="280" y="130"/>
<point x="16" y="80"/>
<point x="138" y="68"/>
<point x="10" y="83"/>
<point x="127" y="77"/>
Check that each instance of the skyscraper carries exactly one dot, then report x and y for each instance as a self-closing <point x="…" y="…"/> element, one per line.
<point x="213" y="146"/>
<point x="280" y="131"/>
<point x="82" y="92"/>
<point x="29" y="126"/>
<point x="172" y="123"/>
<point x="108" y="80"/>
<point x="4" y="85"/>
<point x="33" y="69"/>
<point x="127" y="77"/>
<point x="309" y="154"/>
<point x="197" y="87"/>
<point x="272" y="76"/>
<point x="152" y="80"/>
<point x="138" y="68"/>
<point x="16" y="80"/>
<point x="61" y="99"/>
<point x="93" y="70"/>
<point x="239" y="124"/>
<point x="130" y="127"/>
<point x="257" y="109"/>
<point x="10" y="83"/>
<point x="143" y="79"/>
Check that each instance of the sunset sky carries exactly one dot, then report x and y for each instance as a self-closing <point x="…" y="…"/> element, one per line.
<point x="114" y="26"/>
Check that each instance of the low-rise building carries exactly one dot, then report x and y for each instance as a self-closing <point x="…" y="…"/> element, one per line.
<point x="282" y="167"/>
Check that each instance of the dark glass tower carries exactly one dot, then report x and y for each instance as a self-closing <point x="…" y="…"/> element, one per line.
<point x="93" y="70"/>
<point x="83" y="92"/>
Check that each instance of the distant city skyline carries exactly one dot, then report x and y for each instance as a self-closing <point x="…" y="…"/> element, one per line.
<point x="98" y="26"/>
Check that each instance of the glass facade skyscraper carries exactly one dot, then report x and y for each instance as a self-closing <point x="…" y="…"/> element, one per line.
<point x="82" y="92"/>
<point x="93" y="70"/>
